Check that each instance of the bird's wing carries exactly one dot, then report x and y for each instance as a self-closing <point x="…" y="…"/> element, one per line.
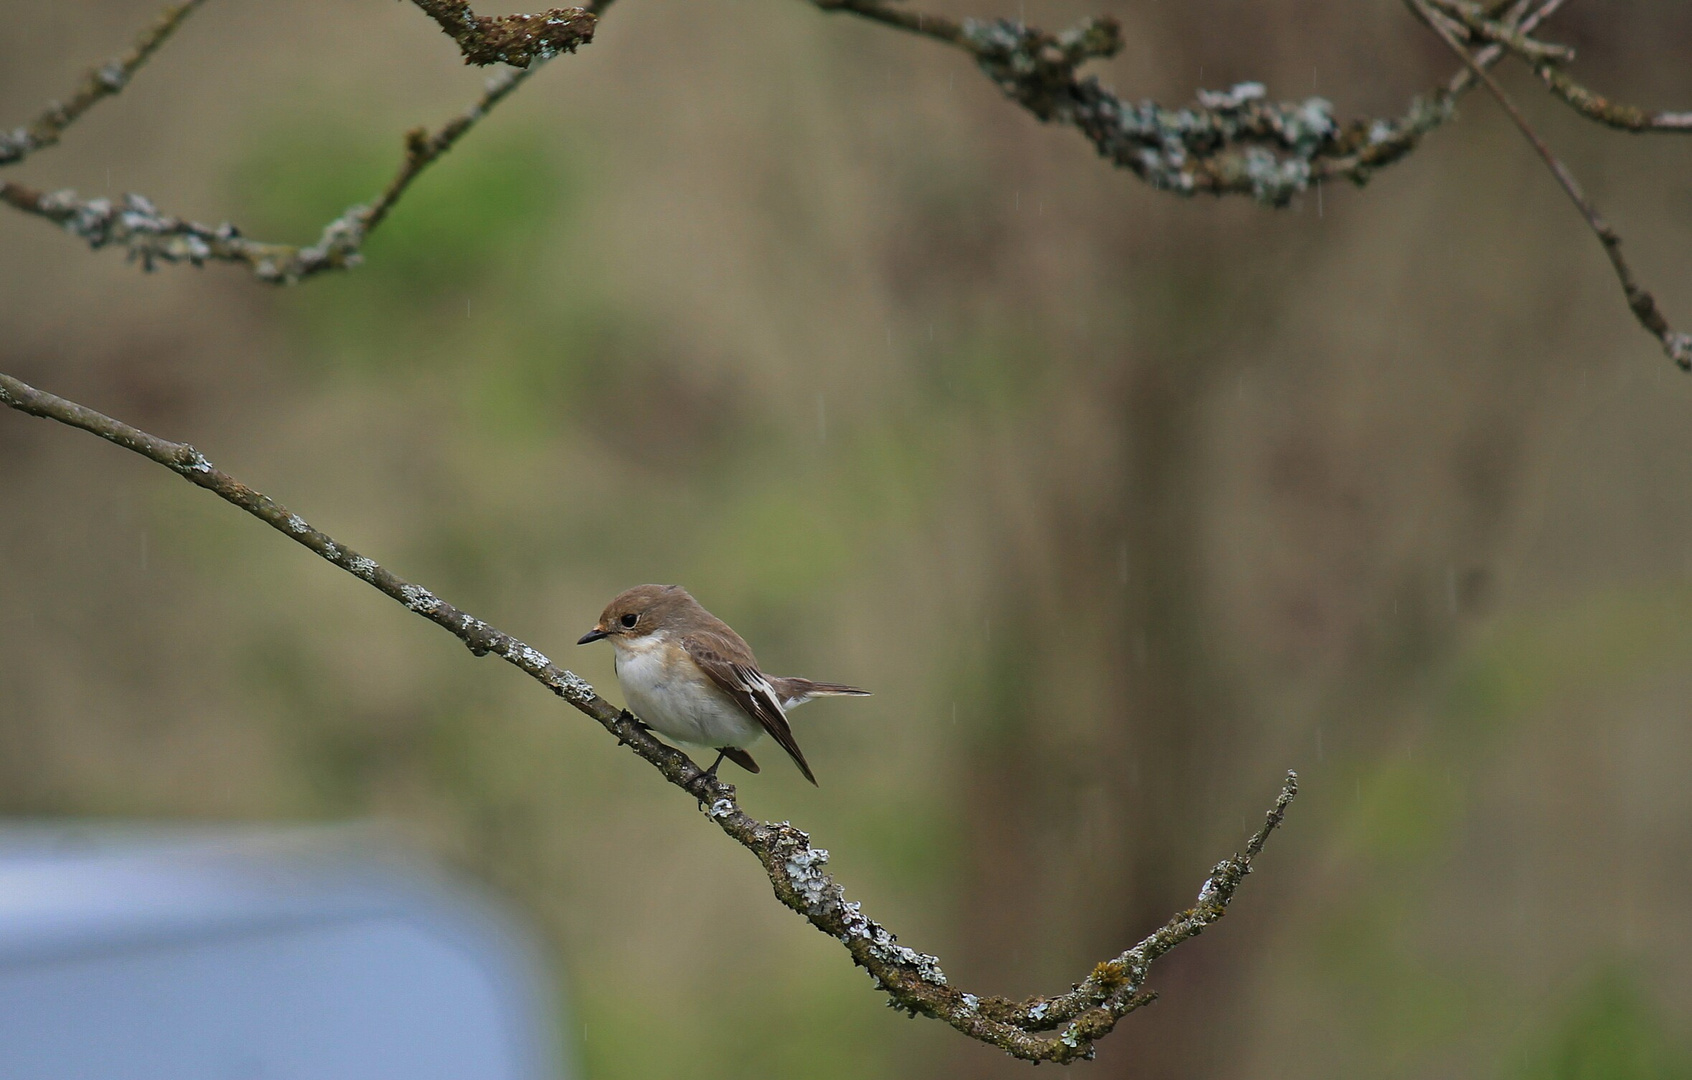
<point x="729" y="664"/>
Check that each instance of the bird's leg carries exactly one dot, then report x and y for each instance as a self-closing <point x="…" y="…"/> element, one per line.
<point x="701" y="778"/>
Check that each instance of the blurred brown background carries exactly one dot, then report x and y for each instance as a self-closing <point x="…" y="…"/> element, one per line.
<point x="1121" y="504"/>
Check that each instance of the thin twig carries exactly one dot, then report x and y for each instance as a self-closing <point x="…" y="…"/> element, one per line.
<point x="151" y="237"/>
<point x="1475" y="20"/>
<point x="938" y="27"/>
<point x="423" y="149"/>
<point x="1544" y="59"/>
<point x="100" y="82"/>
<point x="1614" y="114"/>
<point x="1388" y="141"/>
<point x="1524" y="17"/>
<point x="1677" y="345"/>
<point x="796" y="870"/>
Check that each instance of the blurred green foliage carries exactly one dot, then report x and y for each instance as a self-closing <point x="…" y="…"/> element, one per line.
<point x="1610" y="1031"/>
<point x="479" y="212"/>
<point x="1608" y="638"/>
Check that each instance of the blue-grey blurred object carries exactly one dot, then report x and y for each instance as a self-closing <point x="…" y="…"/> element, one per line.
<point x="239" y="954"/>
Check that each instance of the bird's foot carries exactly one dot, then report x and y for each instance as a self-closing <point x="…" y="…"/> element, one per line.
<point x="702" y="783"/>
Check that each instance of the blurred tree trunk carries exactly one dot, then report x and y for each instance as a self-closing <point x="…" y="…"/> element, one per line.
<point x="1123" y="739"/>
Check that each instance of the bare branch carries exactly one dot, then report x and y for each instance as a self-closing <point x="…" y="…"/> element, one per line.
<point x="100" y="82"/>
<point x="1477" y="21"/>
<point x="1544" y="59"/>
<point x="1676" y="344"/>
<point x="1060" y="1028"/>
<point x="1524" y="16"/>
<point x="518" y="40"/>
<point x="151" y="237"/>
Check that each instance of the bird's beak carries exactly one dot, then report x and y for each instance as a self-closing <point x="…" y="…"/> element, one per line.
<point x="592" y="635"/>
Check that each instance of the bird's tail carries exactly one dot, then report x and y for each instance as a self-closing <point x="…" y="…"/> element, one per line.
<point x="796" y="691"/>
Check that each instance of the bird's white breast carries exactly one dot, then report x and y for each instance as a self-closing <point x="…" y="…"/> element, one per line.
<point x="665" y="688"/>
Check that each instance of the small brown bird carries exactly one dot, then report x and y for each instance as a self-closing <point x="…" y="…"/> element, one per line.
<point x="688" y="676"/>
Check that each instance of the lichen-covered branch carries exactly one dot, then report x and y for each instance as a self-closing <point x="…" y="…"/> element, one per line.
<point x="151" y="237"/>
<point x="1059" y="1028"/>
<point x="1239" y="142"/>
<point x="1235" y="141"/>
<point x="100" y="82"/>
<point x="518" y="40"/>
<point x="1677" y="345"/>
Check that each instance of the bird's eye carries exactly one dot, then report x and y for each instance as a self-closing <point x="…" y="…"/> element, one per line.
<point x="630" y="619"/>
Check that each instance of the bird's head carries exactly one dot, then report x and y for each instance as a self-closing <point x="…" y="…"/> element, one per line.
<point x="637" y="612"/>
